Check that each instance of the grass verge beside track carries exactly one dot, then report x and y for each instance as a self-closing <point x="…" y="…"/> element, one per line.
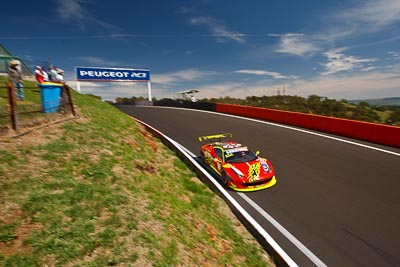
<point x="101" y="191"/>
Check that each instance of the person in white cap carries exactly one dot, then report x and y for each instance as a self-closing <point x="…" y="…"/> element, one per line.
<point x="56" y="75"/>
<point x="60" y="75"/>
<point x="15" y="76"/>
<point x="53" y="74"/>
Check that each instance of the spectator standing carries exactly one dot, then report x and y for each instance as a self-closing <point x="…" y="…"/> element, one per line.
<point x="15" y="76"/>
<point x="45" y="75"/>
<point x="60" y="75"/>
<point x="53" y="74"/>
<point x="56" y="75"/>
<point x="41" y="75"/>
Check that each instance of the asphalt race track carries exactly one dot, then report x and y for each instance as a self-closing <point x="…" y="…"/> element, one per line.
<point x="341" y="201"/>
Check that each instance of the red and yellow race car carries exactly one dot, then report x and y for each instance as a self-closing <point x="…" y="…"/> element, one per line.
<point x="239" y="168"/>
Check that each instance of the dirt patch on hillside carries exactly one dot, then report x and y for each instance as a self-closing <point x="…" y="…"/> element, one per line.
<point x="11" y="214"/>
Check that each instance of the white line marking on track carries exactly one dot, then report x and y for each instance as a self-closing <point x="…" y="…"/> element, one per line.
<point x="283" y="231"/>
<point x="245" y="214"/>
<point x="248" y="217"/>
<point x="276" y="224"/>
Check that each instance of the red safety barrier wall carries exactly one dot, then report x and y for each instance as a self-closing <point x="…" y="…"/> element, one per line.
<point x="371" y="132"/>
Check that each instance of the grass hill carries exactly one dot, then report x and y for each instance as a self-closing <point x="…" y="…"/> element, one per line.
<point x="101" y="191"/>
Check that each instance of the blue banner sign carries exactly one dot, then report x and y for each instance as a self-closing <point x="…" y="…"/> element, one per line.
<point x="111" y="74"/>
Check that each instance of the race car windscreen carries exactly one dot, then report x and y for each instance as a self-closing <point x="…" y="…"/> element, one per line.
<point x="239" y="155"/>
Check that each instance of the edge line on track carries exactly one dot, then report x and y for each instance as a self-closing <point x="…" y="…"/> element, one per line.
<point x="284" y="232"/>
<point x="288" y="127"/>
<point x="311" y="256"/>
<point x="289" y="261"/>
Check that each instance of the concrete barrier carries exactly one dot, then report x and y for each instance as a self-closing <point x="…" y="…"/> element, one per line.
<point x="371" y="132"/>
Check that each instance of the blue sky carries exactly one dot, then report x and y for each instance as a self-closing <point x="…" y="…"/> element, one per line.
<point x="342" y="49"/>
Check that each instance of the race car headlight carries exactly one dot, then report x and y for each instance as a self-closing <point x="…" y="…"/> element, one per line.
<point x="238" y="172"/>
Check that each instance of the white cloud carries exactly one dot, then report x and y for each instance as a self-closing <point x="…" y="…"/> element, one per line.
<point x="112" y="90"/>
<point x="98" y="61"/>
<point x="73" y="11"/>
<point x="337" y="61"/>
<point x="235" y="90"/>
<point x="180" y="76"/>
<point x="368" y="16"/>
<point x="218" y="29"/>
<point x="362" y="18"/>
<point x="275" y="75"/>
<point x="373" y="14"/>
<point x="360" y="86"/>
<point x="296" y="44"/>
<point x="368" y="68"/>
<point x="394" y="55"/>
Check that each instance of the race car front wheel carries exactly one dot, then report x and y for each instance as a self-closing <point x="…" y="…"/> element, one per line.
<point x="224" y="178"/>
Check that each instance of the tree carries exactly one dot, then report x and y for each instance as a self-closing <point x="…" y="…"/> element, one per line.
<point x="364" y="112"/>
<point x="314" y="103"/>
<point x="394" y="118"/>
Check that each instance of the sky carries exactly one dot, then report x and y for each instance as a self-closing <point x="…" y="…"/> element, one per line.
<point x="340" y="49"/>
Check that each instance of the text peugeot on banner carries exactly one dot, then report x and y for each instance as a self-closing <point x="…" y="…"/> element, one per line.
<point x="112" y="74"/>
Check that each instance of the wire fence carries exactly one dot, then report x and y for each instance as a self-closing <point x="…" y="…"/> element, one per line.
<point x="40" y="106"/>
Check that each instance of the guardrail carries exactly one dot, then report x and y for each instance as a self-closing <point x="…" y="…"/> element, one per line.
<point x="371" y="132"/>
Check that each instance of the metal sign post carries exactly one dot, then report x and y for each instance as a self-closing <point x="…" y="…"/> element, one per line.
<point x="149" y="90"/>
<point x="78" y="86"/>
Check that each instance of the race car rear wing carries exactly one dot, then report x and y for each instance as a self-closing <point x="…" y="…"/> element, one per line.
<point x="215" y="136"/>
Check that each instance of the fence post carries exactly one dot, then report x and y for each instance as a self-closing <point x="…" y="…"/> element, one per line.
<point x="13" y="105"/>
<point x="66" y="89"/>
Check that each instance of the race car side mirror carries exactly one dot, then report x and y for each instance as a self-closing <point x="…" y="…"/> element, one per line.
<point x="257" y="153"/>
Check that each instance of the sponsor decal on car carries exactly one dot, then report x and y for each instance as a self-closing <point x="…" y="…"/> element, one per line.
<point x="231" y="145"/>
<point x="207" y="157"/>
<point x="254" y="171"/>
<point x="235" y="150"/>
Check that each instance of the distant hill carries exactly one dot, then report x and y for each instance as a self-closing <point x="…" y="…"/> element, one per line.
<point x="390" y="101"/>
